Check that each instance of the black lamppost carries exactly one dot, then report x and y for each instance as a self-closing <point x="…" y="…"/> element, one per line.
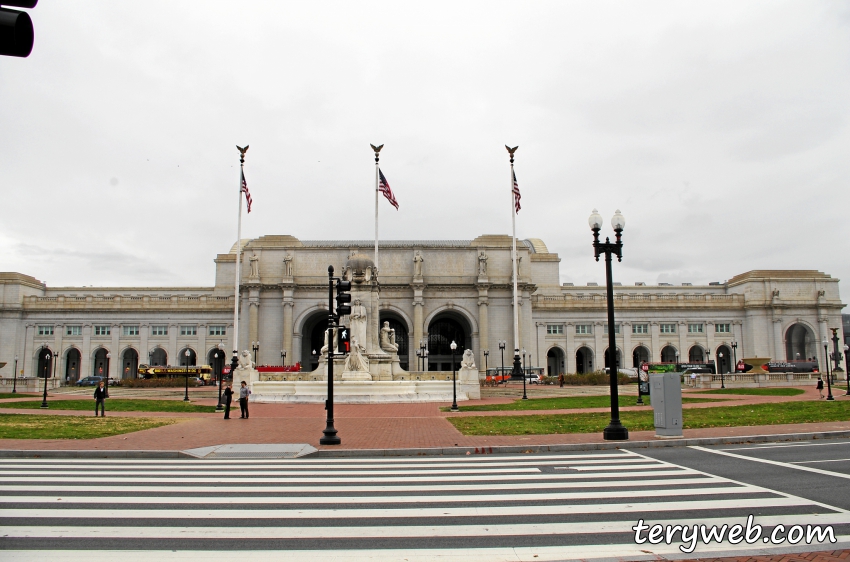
<point x="486" y="355"/>
<point x="836" y="355"/>
<point x="615" y="431"/>
<point x="524" y="395"/>
<point x="720" y="358"/>
<point x="106" y="384"/>
<point x="219" y="358"/>
<point x="186" y="395"/>
<point x="255" y="347"/>
<point x="15" y="379"/>
<point x="46" y="365"/>
<point x="283" y="358"/>
<point x="502" y="344"/>
<point x="423" y="352"/>
<point x="734" y="356"/>
<point x="846" y="349"/>
<point x="453" y="345"/>
<point x="826" y="357"/>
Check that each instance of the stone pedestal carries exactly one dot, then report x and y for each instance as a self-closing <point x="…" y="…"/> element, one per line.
<point x="467" y="380"/>
<point x="250" y="376"/>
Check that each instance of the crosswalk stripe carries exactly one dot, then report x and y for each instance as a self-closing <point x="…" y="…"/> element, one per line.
<point x="694" y="479"/>
<point x="441" y="512"/>
<point x="290" y="472"/>
<point x="335" y="499"/>
<point x="382" y="531"/>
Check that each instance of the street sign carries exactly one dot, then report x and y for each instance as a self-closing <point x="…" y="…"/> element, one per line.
<point x="343" y="340"/>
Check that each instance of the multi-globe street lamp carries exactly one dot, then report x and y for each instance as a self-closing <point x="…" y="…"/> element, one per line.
<point x="106" y="384"/>
<point x="186" y="395"/>
<point x="15" y="379"/>
<point x="734" y="356"/>
<point x="720" y="356"/>
<point x="502" y="345"/>
<point x="836" y="355"/>
<point x="825" y="343"/>
<point x="255" y="347"/>
<point x="283" y="358"/>
<point x="615" y="429"/>
<point x="486" y="355"/>
<point x="524" y="374"/>
<point x="453" y="345"/>
<point x="47" y="357"/>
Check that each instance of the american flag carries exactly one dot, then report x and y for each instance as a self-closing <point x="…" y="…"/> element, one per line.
<point x="246" y="192"/>
<point x="384" y="187"/>
<point x="516" y="193"/>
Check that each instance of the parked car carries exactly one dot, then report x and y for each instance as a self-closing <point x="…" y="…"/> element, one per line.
<point x="196" y="381"/>
<point x="89" y="381"/>
<point x="532" y="379"/>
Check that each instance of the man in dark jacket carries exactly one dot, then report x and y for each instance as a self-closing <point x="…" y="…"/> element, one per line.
<point x="99" y="398"/>
<point x="228" y="396"/>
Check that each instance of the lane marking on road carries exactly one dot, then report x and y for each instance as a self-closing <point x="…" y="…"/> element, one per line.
<point x="775" y="463"/>
<point x="827" y="460"/>
<point x="239" y="499"/>
<point x="384" y="460"/>
<point x="385" y="531"/>
<point x="419" y="512"/>
<point x="784" y="446"/>
<point x="288" y="472"/>
<point x="111" y="478"/>
<point x="694" y="480"/>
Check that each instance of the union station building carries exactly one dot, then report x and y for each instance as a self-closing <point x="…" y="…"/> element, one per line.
<point x="432" y="292"/>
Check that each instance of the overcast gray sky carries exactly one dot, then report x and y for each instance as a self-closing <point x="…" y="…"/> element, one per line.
<point x="720" y="129"/>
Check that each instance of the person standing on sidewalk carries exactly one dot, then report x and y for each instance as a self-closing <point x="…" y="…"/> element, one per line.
<point x="228" y="397"/>
<point x="561" y="380"/>
<point x="820" y="386"/>
<point x="244" y="393"/>
<point x="99" y="399"/>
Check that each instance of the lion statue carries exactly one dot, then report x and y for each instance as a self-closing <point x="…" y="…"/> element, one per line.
<point x="245" y="360"/>
<point x="468" y="361"/>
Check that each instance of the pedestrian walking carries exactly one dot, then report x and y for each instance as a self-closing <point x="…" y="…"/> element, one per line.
<point x="228" y="396"/>
<point x="561" y="380"/>
<point x="244" y="393"/>
<point x="820" y="386"/>
<point x="99" y="399"/>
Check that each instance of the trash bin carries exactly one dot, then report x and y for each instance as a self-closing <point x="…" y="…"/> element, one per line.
<point x="665" y="393"/>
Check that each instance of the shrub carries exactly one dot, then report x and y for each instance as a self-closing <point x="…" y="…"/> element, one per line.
<point x="594" y="378"/>
<point x="161" y="382"/>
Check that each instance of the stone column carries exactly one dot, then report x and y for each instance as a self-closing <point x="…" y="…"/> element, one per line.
<point x="144" y="333"/>
<point x="570" y="363"/>
<point x="738" y="336"/>
<point x="173" y="350"/>
<point x="254" y="315"/>
<point x="418" y="331"/>
<point x="654" y="338"/>
<point x="709" y="339"/>
<point x="114" y="353"/>
<point x="202" y="345"/>
<point x="778" y="341"/>
<point x="599" y="343"/>
<point x="824" y="334"/>
<point x="85" y="352"/>
<point x="626" y="329"/>
<point x="483" y="322"/>
<point x="29" y="352"/>
<point x="57" y="352"/>
<point x="683" y="341"/>
<point x="540" y="355"/>
<point x="287" y="331"/>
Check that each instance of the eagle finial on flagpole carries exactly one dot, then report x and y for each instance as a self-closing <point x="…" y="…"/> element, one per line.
<point x="511" y="152"/>
<point x="377" y="150"/>
<point x="242" y="152"/>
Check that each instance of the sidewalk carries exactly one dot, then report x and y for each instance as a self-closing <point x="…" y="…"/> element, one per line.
<point x="378" y="426"/>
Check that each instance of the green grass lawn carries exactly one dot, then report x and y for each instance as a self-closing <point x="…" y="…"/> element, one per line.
<point x="564" y="403"/>
<point x="4" y="395"/>
<point x="721" y="416"/>
<point x="26" y="426"/>
<point x="756" y="391"/>
<point x="115" y="405"/>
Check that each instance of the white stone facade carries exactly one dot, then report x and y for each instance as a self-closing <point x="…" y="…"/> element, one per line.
<point x="453" y="285"/>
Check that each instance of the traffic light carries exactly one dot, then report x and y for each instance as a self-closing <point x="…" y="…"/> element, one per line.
<point x="343" y="339"/>
<point x="16" y="33"/>
<point x="343" y="297"/>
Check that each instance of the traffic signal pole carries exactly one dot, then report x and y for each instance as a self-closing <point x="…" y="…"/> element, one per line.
<point x="330" y="437"/>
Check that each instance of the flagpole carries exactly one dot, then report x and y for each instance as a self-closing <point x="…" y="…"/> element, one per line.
<point x="517" y="368"/>
<point x="238" y="275"/>
<point x="377" y="150"/>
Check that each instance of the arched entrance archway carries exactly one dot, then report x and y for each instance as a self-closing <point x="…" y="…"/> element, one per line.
<point x="724" y="359"/>
<point x="401" y="336"/>
<point x="619" y="359"/>
<point x="216" y="358"/>
<point x="669" y="354"/>
<point x="555" y="362"/>
<point x="442" y="331"/>
<point x="696" y="354"/>
<point x="187" y="357"/>
<point x="44" y="366"/>
<point x="100" y="363"/>
<point x="158" y="357"/>
<point x="640" y="355"/>
<point x="800" y="343"/>
<point x="129" y="364"/>
<point x="584" y="360"/>
<point x="72" y="365"/>
<point x="313" y="339"/>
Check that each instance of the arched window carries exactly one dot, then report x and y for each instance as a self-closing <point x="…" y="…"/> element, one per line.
<point x="441" y="333"/>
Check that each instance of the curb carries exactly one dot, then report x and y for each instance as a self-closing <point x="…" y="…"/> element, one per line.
<point x="446" y="451"/>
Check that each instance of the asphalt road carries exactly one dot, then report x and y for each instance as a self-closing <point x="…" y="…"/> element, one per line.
<point x="416" y="509"/>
